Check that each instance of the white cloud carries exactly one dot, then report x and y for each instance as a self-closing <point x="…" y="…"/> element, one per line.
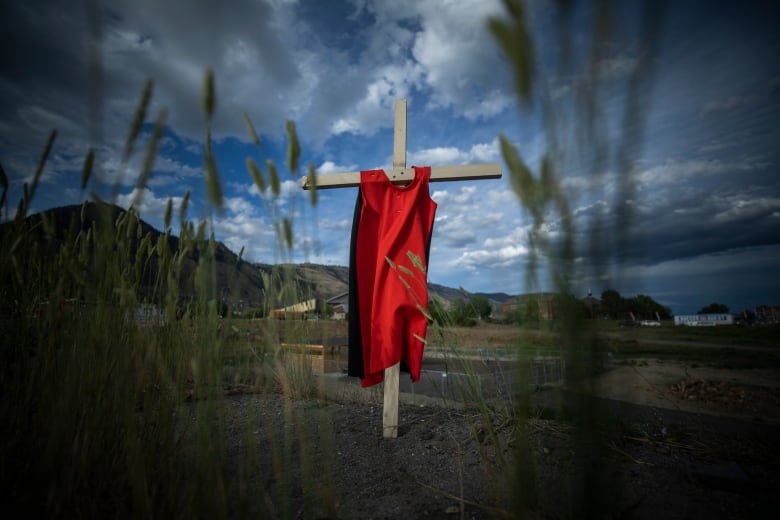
<point x="486" y="152"/>
<point x="450" y="155"/>
<point x="437" y="156"/>
<point x="150" y="207"/>
<point x="242" y="226"/>
<point x="506" y="256"/>
<point x="459" y="58"/>
<point x="340" y="225"/>
<point x="674" y="172"/>
<point x="242" y="44"/>
<point x="43" y="120"/>
<point x="716" y="146"/>
<point x="387" y="84"/>
<point x="239" y="205"/>
<point x="288" y="189"/>
<point x="560" y="92"/>
<point x="735" y="206"/>
<point x="452" y="57"/>
<point x="724" y="105"/>
<point x="616" y="67"/>
<point x="331" y="167"/>
<point x="463" y="195"/>
<point x="469" y="215"/>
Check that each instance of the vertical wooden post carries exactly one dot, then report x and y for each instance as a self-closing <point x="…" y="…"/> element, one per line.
<point x="399" y="174"/>
<point x="399" y="134"/>
<point x="393" y="373"/>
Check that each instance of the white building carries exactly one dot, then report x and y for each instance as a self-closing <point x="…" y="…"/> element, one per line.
<point x="704" y="320"/>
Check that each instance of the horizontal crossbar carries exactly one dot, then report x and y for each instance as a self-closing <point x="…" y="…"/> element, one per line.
<point x="403" y="175"/>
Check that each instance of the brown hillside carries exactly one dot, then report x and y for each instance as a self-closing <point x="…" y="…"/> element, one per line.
<point x="240" y="284"/>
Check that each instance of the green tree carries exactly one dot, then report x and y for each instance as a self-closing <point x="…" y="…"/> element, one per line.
<point x="438" y="313"/>
<point x="714" y="308"/>
<point x="570" y="305"/>
<point x="612" y="304"/>
<point x="480" y="306"/>
<point x="462" y="313"/>
<point x="646" y="307"/>
<point x="530" y="312"/>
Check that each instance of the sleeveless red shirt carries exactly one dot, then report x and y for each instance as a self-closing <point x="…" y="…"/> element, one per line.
<point x="391" y="261"/>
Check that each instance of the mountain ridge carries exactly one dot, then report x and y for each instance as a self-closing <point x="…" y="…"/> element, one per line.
<point x="242" y="283"/>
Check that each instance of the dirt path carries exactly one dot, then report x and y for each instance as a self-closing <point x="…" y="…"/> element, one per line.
<point x="750" y="394"/>
<point x="689" y="343"/>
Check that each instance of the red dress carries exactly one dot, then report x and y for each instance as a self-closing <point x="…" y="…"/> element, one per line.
<point x="391" y="261"/>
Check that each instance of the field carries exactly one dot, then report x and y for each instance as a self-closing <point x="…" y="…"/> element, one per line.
<point x="667" y="366"/>
<point x="687" y="423"/>
<point x="217" y="418"/>
<point x="727" y="346"/>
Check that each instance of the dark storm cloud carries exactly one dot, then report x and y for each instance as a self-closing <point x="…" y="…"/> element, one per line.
<point x="43" y="43"/>
<point x="43" y="68"/>
<point x="169" y="42"/>
<point x="684" y="221"/>
<point x="174" y="42"/>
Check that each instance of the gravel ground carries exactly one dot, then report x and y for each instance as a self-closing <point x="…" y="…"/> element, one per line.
<point x="327" y="458"/>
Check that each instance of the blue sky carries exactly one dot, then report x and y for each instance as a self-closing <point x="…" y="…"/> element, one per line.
<point x="705" y="197"/>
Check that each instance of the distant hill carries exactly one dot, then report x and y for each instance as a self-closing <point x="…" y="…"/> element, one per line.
<point x="239" y="282"/>
<point x="326" y="281"/>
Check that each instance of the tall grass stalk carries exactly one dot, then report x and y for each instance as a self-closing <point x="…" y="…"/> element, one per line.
<point x="575" y="139"/>
<point x="106" y="414"/>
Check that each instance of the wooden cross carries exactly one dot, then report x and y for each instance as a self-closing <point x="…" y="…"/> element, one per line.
<point x="400" y="174"/>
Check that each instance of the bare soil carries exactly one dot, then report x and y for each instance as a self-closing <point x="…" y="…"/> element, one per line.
<point x="660" y="440"/>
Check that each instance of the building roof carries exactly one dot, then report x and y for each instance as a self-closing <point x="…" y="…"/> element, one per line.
<point x="339" y="299"/>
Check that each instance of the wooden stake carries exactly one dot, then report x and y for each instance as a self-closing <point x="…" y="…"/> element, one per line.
<point x="393" y="374"/>
<point x="399" y="134"/>
<point x="400" y="174"/>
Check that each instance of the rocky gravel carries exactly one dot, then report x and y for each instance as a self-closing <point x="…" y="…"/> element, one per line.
<point x="326" y="458"/>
